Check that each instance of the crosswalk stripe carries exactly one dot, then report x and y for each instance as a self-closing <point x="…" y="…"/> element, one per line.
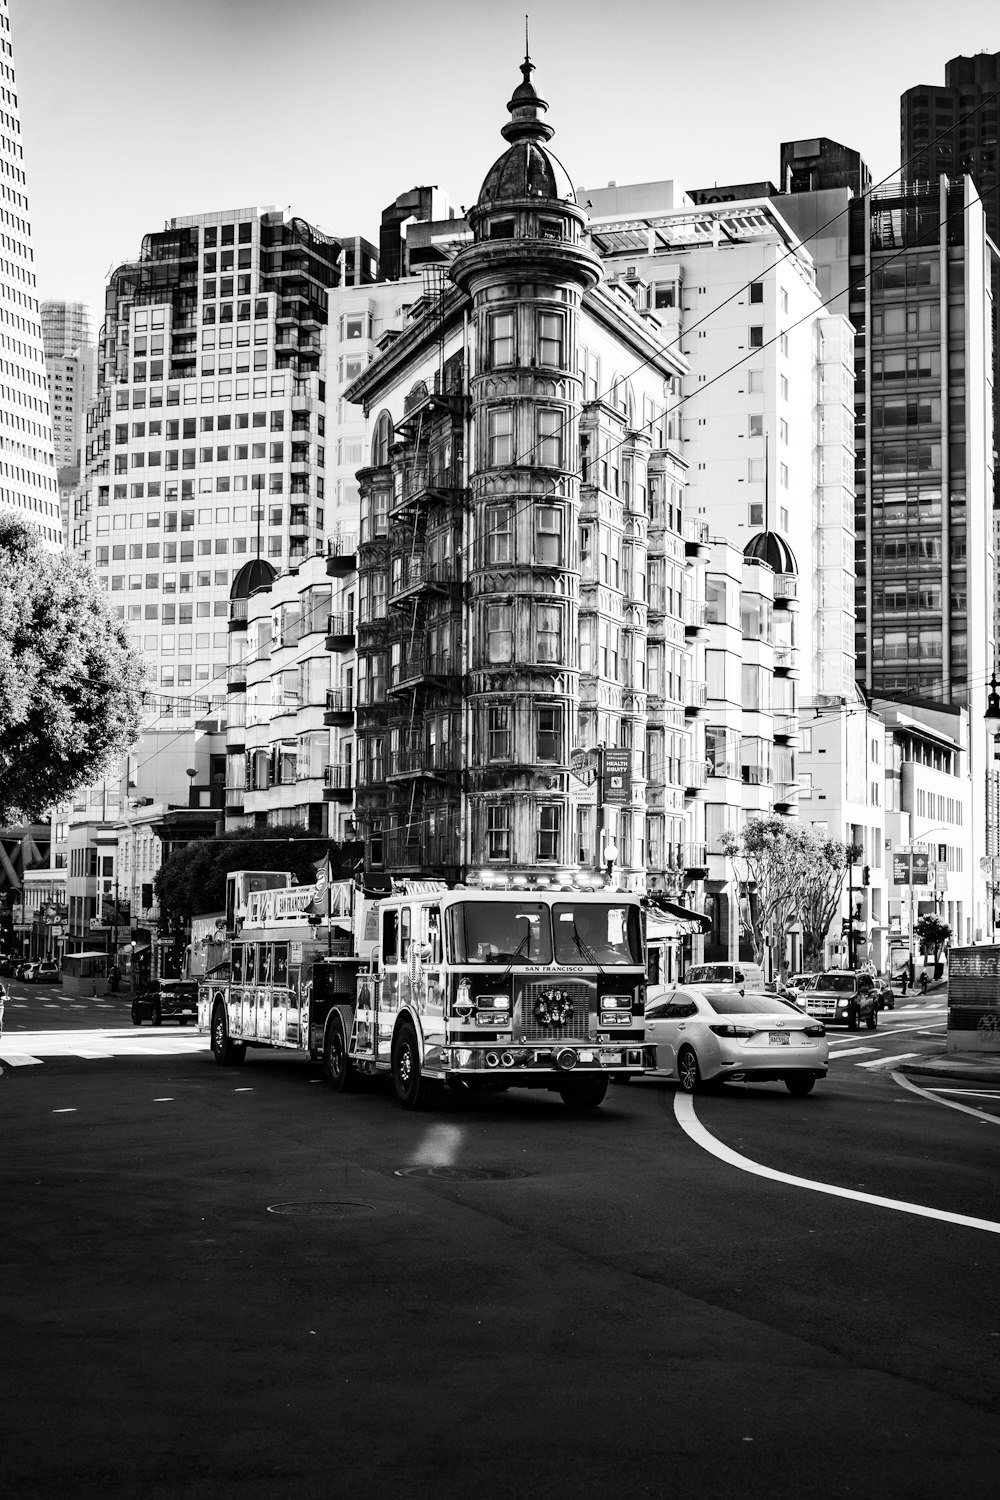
<point x="851" y="1051"/>
<point x="23" y="1061"/>
<point x="888" y="1062"/>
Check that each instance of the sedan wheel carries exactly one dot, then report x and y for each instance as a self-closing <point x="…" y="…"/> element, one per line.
<point x="872" y="1019"/>
<point x="688" y="1072"/>
<point x="799" y="1083"/>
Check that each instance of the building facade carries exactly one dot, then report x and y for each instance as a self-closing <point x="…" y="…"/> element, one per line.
<point x="27" y="462"/>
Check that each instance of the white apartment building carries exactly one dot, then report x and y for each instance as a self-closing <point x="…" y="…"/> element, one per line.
<point x="768" y="406"/>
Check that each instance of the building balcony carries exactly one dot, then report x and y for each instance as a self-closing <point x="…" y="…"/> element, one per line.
<point x="696" y="539"/>
<point x="420" y="572"/>
<point x="786" y="727"/>
<point x="693" y="860"/>
<point x="339" y="708"/>
<point x="234" y="798"/>
<point x="238" y="614"/>
<point x="341" y="554"/>
<point x="786" y="590"/>
<point x="338" y="783"/>
<point x="695" y="696"/>
<point x="236" y="677"/>
<point x="340" y="631"/>
<point x="785" y="794"/>
<point x="694" y="775"/>
<point x="425" y="761"/>
<point x="418" y="665"/>
<point x="694" y="613"/>
<point x="786" y="661"/>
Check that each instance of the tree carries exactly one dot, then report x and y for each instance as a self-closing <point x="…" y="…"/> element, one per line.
<point x="71" y="683"/>
<point x="777" y="854"/>
<point x="822" y="888"/>
<point x="193" y="879"/>
<point x="933" y="933"/>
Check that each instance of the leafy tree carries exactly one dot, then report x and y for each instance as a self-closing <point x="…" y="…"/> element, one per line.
<point x="71" y="683"/>
<point x="193" y="879"/>
<point x="933" y="933"/>
<point x="822" y="888"/>
<point x="778" y="855"/>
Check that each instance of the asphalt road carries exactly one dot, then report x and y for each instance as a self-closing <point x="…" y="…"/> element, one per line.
<point x="217" y="1280"/>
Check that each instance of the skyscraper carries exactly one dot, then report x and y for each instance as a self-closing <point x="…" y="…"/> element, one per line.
<point x="27" y="463"/>
<point x="206" y="445"/>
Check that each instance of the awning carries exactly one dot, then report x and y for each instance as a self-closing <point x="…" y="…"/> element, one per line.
<point x="669" y="919"/>
<point x="94" y="953"/>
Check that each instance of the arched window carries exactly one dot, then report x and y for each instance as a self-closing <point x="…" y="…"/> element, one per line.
<point x="381" y="440"/>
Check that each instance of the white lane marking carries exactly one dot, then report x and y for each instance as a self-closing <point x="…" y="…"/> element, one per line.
<point x="21" y="1060"/>
<point x="166" y="1099"/>
<point x="695" y="1130"/>
<point x="888" y="1062"/>
<point x="973" y="1093"/>
<point x="64" y="1111"/>
<point x="977" y="1114"/>
<point x="851" y="1052"/>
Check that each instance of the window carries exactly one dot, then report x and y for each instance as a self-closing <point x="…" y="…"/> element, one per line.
<point x="756" y="291"/>
<point x="756" y="336"/>
<point x="757" y="424"/>
<point x="548" y="742"/>
<point x="497" y="832"/>
<point x="756" y="382"/>
<point x="499" y="633"/>
<point x="499" y="534"/>
<point x="549" y="827"/>
<point x="549" y="446"/>
<point x="548" y="632"/>
<point x="501" y="339"/>
<point x="550" y="339"/>
<point x="548" y="539"/>
<point x="500" y="733"/>
<point x="500" y="436"/>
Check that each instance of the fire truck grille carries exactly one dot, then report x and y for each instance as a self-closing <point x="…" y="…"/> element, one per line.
<point x="553" y="1009"/>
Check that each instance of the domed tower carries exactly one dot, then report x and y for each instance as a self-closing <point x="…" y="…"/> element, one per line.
<point x="525" y="273"/>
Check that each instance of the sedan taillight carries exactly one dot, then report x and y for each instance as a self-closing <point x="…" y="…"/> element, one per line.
<point x="814" y="1030"/>
<point x="729" y="1030"/>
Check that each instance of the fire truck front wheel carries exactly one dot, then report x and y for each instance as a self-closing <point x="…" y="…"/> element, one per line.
<point x="339" y="1068"/>
<point x="412" y="1090"/>
<point x="227" y="1053"/>
<point x="584" y="1091"/>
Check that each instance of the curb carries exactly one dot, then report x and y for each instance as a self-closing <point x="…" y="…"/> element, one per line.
<point x="955" y="1066"/>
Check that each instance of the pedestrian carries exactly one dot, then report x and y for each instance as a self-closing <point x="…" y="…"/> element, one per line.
<point x="923" y="982"/>
<point x="3" y="1005"/>
<point x="904" y="979"/>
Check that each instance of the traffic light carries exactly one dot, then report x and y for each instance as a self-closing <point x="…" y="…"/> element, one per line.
<point x="845" y="926"/>
<point x="866" y="875"/>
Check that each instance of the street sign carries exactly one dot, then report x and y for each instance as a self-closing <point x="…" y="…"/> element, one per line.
<point x="921" y="869"/>
<point x="616" y="776"/>
<point x="900" y="867"/>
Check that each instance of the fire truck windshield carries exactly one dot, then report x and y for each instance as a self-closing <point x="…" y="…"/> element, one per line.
<point x="605" y="933"/>
<point x="497" y="932"/>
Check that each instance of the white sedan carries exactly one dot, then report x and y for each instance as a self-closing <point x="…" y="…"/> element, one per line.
<point x="750" y="1038"/>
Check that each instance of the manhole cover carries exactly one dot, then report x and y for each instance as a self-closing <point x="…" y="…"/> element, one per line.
<point x="322" y="1209"/>
<point x="460" y="1174"/>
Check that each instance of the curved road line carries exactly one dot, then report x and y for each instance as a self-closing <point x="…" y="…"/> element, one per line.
<point x="695" y="1130"/>
<point x="948" y="1103"/>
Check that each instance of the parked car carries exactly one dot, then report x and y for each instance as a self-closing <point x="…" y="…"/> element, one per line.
<point x="167" y="1000"/>
<point x="726" y="978"/>
<point x="886" y="998"/>
<point x="26" y="970"/>
<point x="803" y="981"/>
<point x="843" y="995"/>
<point x="48" y="972"/>
<point x="750" y="1038"/>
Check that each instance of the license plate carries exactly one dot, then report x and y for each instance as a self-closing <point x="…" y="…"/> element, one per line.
<point x="778" y="1038"/>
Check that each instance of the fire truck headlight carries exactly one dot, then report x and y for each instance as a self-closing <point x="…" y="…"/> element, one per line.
<point x="463" y="999"/>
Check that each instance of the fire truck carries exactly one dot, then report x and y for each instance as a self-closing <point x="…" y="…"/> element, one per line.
<point x="433" y="986"/>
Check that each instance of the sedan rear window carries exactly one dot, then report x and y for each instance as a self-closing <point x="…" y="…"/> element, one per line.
<point x="761" y="1005"/>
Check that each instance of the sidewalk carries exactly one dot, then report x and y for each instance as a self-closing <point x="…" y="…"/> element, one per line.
<point x="974" y="1067"/>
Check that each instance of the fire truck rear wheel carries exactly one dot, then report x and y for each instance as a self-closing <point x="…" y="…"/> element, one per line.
<point x="226" y="1052"/>
<point x="584" y="1091"/>
<point x="412" y="1090"/>
<point x="339" y="1068"/>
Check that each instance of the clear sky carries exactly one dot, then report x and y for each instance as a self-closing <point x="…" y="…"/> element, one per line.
<point x="134" y="111"/>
